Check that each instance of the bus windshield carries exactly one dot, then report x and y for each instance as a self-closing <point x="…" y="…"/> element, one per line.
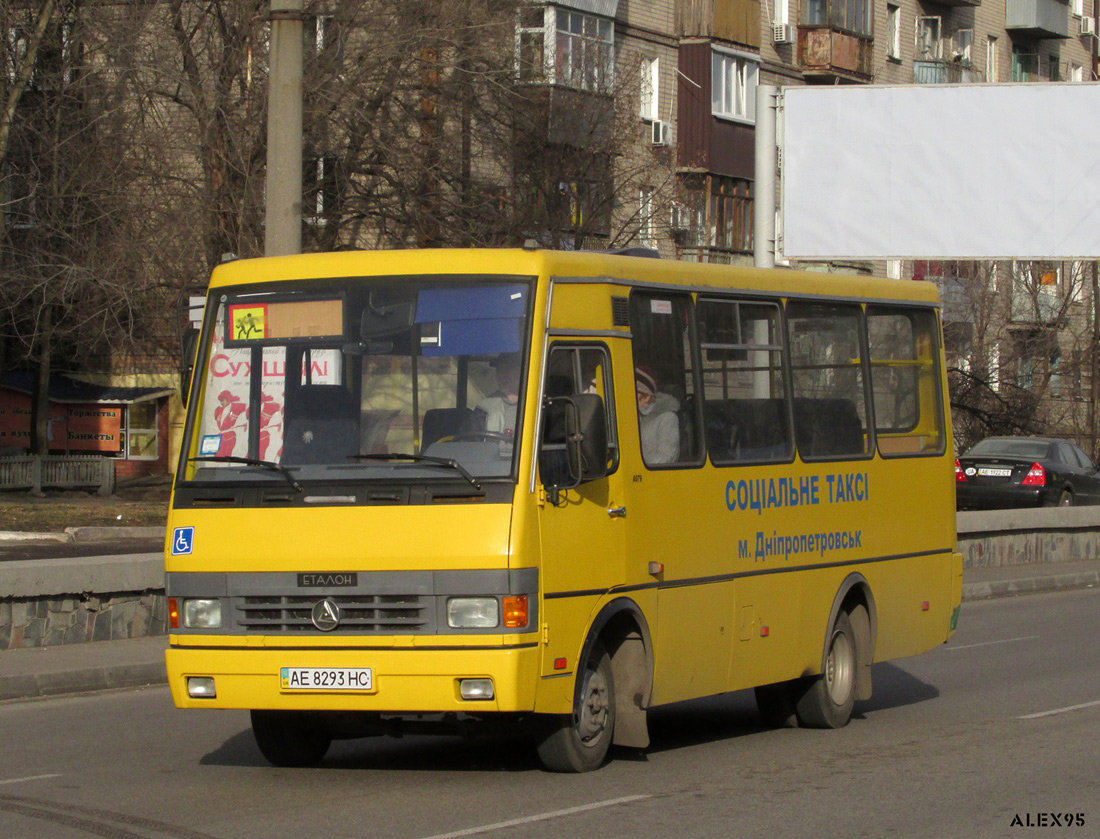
<point x="395" y="378"/>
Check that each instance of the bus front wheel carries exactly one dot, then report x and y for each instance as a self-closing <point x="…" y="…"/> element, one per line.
<point x="826" y="701"/>
<point x="579" y="742"/>
<point x="287" y="738"/>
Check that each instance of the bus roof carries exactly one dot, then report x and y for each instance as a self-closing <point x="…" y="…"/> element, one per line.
<point x="568" y="264"/>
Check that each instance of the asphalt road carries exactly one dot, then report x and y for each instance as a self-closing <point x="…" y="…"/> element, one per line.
<point x="993" y="732"/>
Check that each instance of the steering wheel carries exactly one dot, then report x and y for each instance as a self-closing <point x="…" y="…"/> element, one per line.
<point x="468" y="436"/>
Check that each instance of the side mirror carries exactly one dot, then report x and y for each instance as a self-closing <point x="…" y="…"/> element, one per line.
<point x="190" y="343"/>
<point x="574" y="444"/>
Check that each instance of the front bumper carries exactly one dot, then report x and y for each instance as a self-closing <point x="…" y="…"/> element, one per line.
<point x="407" y="680"/>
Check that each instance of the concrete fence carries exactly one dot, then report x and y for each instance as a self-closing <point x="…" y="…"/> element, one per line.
<point x="1001" y="538"/>
<point x="67" y="601"/>
<point x="58" y="471"/>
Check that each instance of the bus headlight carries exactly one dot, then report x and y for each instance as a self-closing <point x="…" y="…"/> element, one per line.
<point x="202" y="614"/>
<point x="473" y="613"/>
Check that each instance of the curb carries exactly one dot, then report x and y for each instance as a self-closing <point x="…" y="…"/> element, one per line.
<point x="1030" y="585"/>
<point x="83" y="534"/>
<point x="83" y="680"/>
<point x="19" y="536"/>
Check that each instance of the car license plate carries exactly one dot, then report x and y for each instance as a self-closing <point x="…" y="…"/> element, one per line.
<point x="992" y="472"/>
<point x="326" y="678"/>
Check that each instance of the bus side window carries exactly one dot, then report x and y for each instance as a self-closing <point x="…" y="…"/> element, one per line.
<point x="583" y="369"/>
<point x="745" y="408"/>
<point x="827" y="371"/>
<point x="904" y="360"/>
<point x="664" y="379"/>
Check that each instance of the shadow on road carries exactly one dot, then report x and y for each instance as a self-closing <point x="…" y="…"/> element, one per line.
<point x="671" y="727"/>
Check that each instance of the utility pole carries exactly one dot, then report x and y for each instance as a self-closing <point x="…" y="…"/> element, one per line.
<point x="283" y="208"/>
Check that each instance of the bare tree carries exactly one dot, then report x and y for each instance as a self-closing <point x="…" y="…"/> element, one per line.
<point x="71" y="285"/>
<point x="1020" y="343"/>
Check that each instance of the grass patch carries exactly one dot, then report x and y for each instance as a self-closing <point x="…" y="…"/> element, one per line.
<point x="52" y="514"/>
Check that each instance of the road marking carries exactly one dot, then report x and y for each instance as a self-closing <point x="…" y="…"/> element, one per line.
<point x="991" y="643"/>
<point x="1060" y="710"/>
<point x="541" y="817"/>
<point x="30" y="778"/>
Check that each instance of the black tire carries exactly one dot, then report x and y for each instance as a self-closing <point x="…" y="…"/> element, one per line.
<point x="288" y="738"/>
<point x="579" y="742"/>
<point x="776" y="705"/>
<point x="826" y="701"/>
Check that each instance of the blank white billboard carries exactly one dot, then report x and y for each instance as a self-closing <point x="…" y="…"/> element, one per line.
<point x="928" y="171"/>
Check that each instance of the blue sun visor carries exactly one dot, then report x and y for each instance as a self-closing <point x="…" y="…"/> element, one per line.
<point x="485" y="320"/>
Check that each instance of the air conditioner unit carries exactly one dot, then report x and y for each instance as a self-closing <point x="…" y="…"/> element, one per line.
<point x="662" y="132"/>
<point x="783" y="33"/>
<point x="1088" y="26"/>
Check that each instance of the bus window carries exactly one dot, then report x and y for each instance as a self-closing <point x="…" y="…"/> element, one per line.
<point x="904" y="356"/>
<point x="745" y="415"/>
<point x="830" y="403"/>
<point x="660" y="325"/>
<point x="574" y="370"/>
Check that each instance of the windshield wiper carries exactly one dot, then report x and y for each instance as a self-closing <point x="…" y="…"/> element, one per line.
<point x="252" y="461"/>
<point x="424" y="458"/>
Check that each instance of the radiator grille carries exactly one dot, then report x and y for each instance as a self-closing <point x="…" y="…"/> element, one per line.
<point x="359" y="613"/>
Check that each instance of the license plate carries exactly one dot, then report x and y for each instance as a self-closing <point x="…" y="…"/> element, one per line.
<point x="326" y="678"/>
<point x="991" y="472"/>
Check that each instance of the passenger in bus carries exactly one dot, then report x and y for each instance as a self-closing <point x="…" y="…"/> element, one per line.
<point x="657" y="420"/>
<point x="497" y="413"/>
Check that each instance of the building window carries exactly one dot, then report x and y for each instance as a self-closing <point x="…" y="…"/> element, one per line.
<point x="850" y="15"/>
<point x="584" y="51"/>
<point x="647" y="224"/>
<point x="324" y="44"/>
<point x="715" y="217"/>
<point x="531" y="38"/>
<point x="141" y="431"/>
<point x="991" y="63"/>
<point x="964" y="42"/>
<point x="929" y="46"/>
<point x="320" y="189"/>
<point x="565" y="47"/>
<point x="733" y="86"/>
<point x="893" y="31"/>
<point x="650" y="94"/>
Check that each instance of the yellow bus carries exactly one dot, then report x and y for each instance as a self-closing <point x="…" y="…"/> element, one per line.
<point x="443" y="488"/>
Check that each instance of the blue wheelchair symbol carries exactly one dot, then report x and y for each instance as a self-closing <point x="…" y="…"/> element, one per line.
<point x="183" y="540"/>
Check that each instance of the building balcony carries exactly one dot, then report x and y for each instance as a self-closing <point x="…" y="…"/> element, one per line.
<point x="940" y="71"/>
<point x="1037" y="18"/>
<point x="1034" y="309"/>
<point x="828" y="55"/>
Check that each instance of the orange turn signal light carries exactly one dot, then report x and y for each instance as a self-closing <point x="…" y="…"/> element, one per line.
<point x="514" y="607"/>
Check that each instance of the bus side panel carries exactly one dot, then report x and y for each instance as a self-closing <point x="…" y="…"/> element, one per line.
<point x="565" y="621"/>
<point x="915" y="602"/>
<point x="769" y="645"/>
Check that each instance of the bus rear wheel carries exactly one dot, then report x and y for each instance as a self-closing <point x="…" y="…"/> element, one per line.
<point x="579" y="742"/>
<point x="288" y="738"/>
<point x="826" y="701"/>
